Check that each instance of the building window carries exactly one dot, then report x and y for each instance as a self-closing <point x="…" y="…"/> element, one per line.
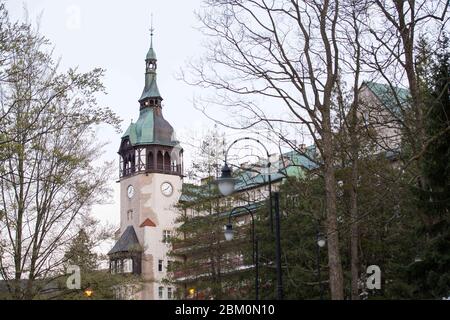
<point x="130" y="214"/>
<point x="161" y="292"/>
<point x="160" y="265"/>
<point x="169" y="265"/>
<point x="169" y="293"/>
<point x="166" y="236"/>
<point x="127" y="266"/>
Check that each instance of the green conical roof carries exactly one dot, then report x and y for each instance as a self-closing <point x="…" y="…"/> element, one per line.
<point x="151" y="55"/>
<point x="151" y="87"/>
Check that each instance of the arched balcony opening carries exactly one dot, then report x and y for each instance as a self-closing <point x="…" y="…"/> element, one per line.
<point x="132" y="163"/>
<point x="174" y="167"/>
<point x="150" y="161"/>
<point x="159" y="161"/>
<point x="151" y="158"/>
<point x="167" y="161"/>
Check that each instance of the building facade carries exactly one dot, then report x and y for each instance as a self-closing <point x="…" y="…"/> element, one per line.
<point x="382" y="110"/>
<point x="151" y="173"/>
<point x="206" y="258"/>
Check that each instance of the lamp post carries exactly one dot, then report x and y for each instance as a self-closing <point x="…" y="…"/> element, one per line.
<point x="226" y="184"/>
<point x="320" y="244"/>
<point x="229" y="235"/>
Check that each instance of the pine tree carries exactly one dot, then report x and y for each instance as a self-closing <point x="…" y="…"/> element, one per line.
<point x="433" y="198"/>
<point x="80" y="253"/>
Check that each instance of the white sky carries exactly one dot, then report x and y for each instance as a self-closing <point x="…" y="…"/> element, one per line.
<point x="114" y="35"/>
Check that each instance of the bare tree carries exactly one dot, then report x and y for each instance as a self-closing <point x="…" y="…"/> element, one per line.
<point x="286" y="52"/>
<point x="48" y="175"/>
<point x="348" y="103"/>
<point x="394" y="26"/>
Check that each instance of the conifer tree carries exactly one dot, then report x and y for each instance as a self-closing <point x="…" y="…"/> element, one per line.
<point x="431" y="273"/>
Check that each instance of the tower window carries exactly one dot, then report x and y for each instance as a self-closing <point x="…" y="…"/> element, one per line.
<point x="160" y="161"/>
<point x="130" y="214"/>
<point x="167" y="161"/>
<point x="127" y="266"/>
<point x="150" y="162"/>
<point x="161" y="292"/>
<point x="160" y="265"/>
<point x="166" y="236"/>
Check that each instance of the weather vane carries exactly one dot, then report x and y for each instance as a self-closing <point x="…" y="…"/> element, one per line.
<point x="151" y="25"/>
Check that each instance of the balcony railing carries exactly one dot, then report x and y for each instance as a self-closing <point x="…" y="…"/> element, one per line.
<point x="173" y="169"/>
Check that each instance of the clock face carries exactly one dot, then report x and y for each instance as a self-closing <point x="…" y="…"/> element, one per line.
<point x="166" y="189"/>
<point x="130" y="191"/>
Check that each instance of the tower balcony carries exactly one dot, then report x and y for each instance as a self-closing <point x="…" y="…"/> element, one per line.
<point x="173" y="169"/>
<point x="151" y="159"/>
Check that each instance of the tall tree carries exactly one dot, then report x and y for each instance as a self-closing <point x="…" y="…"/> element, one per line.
<point x="433" y="196"/>
<point x="48" y="175"/>
<point x="80" y="252"/>
<point x="287" y="52"/>
<point x="392" y="50"/>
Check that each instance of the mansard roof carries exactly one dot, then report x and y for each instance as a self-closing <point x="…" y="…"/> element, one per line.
<point x="150" y="128"/>
<point x="392" y="98"/>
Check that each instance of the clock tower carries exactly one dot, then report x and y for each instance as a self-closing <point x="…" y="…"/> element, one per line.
<point x="151" y="172"/>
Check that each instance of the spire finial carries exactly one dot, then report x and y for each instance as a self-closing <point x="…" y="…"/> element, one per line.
<point x="151" y="30"/>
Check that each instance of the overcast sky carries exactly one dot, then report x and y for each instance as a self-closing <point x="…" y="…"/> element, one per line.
<point x="114" y="35"/>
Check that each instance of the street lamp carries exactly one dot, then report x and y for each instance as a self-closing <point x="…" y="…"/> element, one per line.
<point x="226" y="181"/>
<point x="226" y="184"/>
<point x="88" y="292"/>
<point x="229" y="235"/>
<point x="191" y="292"/>
<point x="321" y="241"/>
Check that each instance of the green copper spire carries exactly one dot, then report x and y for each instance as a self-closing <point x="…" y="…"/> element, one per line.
<point x="151" y="88"/>
<point x="151" y="55"/>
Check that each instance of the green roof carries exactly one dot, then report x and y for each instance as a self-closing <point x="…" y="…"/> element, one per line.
<point x="388" y="96"/>
<point x="247" y="179"/>
<point x="150" y="128"/>
<point x="141" y="132"/>
<point x="151" y="87"/>
<point x="151" y="55"/>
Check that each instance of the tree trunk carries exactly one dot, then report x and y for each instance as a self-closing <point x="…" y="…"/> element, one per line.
<point x="334" y="257"/>
<point x="354" y="228"/>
